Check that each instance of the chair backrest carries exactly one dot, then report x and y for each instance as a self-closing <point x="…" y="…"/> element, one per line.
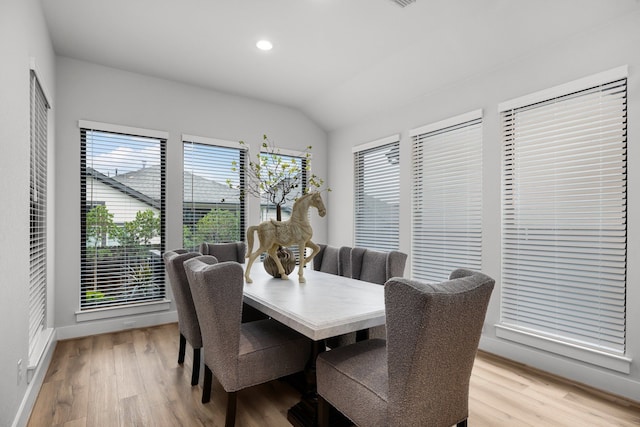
<point x="317" y="260"/>
<point x="187" y="318"/>
<point x="344" y="261"/>
<point x="433" y="332"/>
<point x="376" y="266"/>
<point x="217" y="291"/>
<point x="326" y="260"/>
<point x="234" y="251"/>
<point x="333" y="260"/>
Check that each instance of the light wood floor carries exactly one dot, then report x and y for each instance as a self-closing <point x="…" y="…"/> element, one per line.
<point x="132" y="378"/>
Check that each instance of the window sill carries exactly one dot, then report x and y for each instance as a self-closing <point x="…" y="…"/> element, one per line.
<point x="583" y="354"/>
<point x="111" y="312"/>
<point x="44" y="340"/>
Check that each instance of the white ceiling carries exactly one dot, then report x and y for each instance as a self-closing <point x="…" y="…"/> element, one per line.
<point x="336" y="60"/>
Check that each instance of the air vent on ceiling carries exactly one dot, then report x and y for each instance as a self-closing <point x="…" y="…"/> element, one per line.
<point x="403" y="3"/>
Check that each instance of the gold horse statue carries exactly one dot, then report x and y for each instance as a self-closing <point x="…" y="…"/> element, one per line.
<point x="295" y="230"/>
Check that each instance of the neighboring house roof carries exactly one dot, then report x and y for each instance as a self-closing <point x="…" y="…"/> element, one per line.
<point x="123" y="188"/>
<point x="143" y="181"/>
<point x="141" y="184"/>
<point x="196" y="188"/>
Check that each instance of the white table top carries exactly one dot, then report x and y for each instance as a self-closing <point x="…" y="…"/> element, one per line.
<point x="326" y="305"/>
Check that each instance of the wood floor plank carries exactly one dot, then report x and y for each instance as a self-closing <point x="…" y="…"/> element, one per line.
<point x="134" y="412"/>
<point x="109" y="418"/>
<point x="132" y="378"/>
<point x="103" y="390"/>
<point x="102" y="356"/>
<point x="45" y="406"/>
<point x="482" y="414"/>
<point x="80" y="422"/>
<point x="128" y="376"/>
<point x="58" y="366"/>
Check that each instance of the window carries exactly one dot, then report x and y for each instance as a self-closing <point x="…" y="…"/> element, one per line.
<point x="447" y="197"/>
<point x="377" y="194"/>
<point x="564" y="204"/>
<point x="268" y="209"/>
<point x="123" y="215"/>
<point x="38" y="213"/>
<point x="212" y="210"/>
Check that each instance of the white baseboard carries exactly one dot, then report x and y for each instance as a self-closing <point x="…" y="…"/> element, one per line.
<point x="103" y="326"/>
<point x="31" y="394"/>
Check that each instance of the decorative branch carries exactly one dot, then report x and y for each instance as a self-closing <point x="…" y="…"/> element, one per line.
<point x="273" y="177"/>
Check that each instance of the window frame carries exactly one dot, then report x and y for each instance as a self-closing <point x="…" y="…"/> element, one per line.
<point x="507" y="330"/>
<point x="137" y="307"/>
<point x="39" y="330"/>
<point x="362" y="238"/>
<point x="219" y="143"/>
<point x="452" y="236"/>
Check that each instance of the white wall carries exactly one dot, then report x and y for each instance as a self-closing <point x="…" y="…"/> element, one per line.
<point x="23" y="35"/>
<point x="609" y="46"/>
<point x="93" y="92"/>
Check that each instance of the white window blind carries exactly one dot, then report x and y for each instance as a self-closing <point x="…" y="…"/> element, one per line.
<point x="122" y="217"/>
<point x="564" y="216"/>
<point x="447" y="197"/>
<point x="212" y="210"/>
<point x="377" y="194"/>
<point x="38" y="213"/>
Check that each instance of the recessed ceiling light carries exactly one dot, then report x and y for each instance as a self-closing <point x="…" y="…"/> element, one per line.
<point x="264" y="45"/>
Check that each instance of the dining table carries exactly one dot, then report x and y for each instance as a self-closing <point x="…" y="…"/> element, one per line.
<point x="324" y="306"/>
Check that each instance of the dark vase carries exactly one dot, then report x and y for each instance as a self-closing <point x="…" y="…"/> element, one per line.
<point x="286" y="257"/>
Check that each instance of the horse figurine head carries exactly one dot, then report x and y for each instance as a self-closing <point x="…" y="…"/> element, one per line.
<point x="316" y="202"/>
<point x="294" y="231"/>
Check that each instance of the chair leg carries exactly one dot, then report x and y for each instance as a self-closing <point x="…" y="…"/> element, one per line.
<point x="183" y="347"/>
<point x="206" y="386"/>
<point x="195" y="373"/>
<point x="462" y="423"/>
<point x="324" y="408"/>
<point x="230" y="420"/>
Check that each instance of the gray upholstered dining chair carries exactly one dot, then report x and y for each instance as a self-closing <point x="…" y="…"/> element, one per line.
<point x="233" y="251"/>
<point x="333" y="260"/>
<point x="327" y="259"/>
<point x="240" y="355"/>
<point x="375" y="267"/>
<point x="187" y="319"/>
<point x="344" y="261"/>
<point x="420" y="375"/>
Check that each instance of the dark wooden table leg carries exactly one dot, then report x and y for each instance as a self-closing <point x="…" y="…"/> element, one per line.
<point x="305" y="412"/>
<point x="362" y="335"/>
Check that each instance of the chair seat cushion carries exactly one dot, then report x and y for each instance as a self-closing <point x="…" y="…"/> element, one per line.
<point x="355" y="377"/>
<point x="269" y="350"/>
